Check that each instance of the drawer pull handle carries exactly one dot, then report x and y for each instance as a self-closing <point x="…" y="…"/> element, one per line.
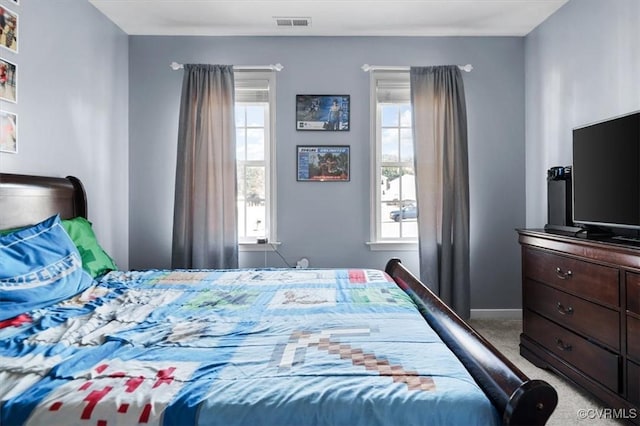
<point x="563" y="310"/>
<point x="563" y="346"/>
<point x="563" y="275"/>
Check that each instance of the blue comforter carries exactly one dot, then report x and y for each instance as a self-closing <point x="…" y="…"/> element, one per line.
<point x="237" y="347"/>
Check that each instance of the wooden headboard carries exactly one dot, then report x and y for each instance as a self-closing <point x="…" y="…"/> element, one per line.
<point x="26" y="200"/>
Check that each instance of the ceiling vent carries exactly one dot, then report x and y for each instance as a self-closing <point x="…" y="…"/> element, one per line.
<point x="286" y="22"/>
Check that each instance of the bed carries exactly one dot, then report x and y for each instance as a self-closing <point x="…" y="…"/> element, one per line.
<point x="268" y="346"/>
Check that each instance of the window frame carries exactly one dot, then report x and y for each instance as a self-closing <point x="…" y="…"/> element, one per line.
<point x="269" y="159"/>
<point x="376" y="242"/>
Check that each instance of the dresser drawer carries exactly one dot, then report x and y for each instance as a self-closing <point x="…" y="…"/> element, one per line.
<point x="588" y="280"/>
<point x="589" y="319"/>
<point x="633" y="383"/>
<point x="633" y="292"/>
<point x="633" y="337"/>
<point x="593" y="360"/>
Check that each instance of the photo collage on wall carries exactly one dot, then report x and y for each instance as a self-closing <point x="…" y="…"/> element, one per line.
<point x="9" y="23"/>
<point x="323" y="113"/>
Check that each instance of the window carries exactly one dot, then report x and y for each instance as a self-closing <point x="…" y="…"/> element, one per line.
<point x="254" y="116"/>
<point x="393" y="192"/>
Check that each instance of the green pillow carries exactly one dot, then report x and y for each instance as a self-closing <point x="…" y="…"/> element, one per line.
<point x="94" y="259"/>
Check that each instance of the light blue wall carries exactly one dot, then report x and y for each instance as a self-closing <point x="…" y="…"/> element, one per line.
<point x="80" y="113"/>
<point x="73" y="108"/>
<point x="329" y="223"/>
<point x="582" y="65"/>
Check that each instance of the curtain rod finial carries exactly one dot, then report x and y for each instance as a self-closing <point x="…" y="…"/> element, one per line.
<point x="467" y="68"/>
<point x="366" y="68"/>
<point x="278" y="66"/>
<point x="176" y="66"/>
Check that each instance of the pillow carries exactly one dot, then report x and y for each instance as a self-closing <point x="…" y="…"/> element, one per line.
<point x="40" y="266"/>
<point x="94" y="259"/>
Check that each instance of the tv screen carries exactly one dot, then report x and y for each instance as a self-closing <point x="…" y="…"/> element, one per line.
<point x="606" y="173"/>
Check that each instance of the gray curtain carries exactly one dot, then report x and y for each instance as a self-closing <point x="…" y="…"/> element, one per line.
<point x="442" y="182"/>
<point x="204" y="221"/>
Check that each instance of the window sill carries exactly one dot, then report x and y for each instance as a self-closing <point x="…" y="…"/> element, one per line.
<point x="392" y="245"/>
<point x="254" y="246"/>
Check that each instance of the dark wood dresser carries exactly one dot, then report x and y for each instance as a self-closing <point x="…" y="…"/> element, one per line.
<point x="581" y="314"/>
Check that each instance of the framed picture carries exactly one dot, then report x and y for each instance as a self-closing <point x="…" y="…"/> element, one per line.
<point x="8" y="78"/>
<point x="9" y="26"/>
<point x="320" y="163"/>
<point x="8" y="132"/>
<point x="323" y="112"/>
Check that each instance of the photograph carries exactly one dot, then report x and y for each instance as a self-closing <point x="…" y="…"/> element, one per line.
<point x="8" y="29"/>
<point x="322" y="112"/>
<point x="323" y="163"/>
<point x="8" y="76"/>
<point x="8" y="132"/>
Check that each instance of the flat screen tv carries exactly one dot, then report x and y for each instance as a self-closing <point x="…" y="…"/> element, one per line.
<point x="606" y="173"/>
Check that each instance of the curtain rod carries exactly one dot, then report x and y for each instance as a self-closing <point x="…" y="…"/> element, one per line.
<point x="367" y="68"/>
<point x="277" y="67"/>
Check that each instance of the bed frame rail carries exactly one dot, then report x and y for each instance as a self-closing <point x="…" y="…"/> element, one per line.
<point x="519" y="400"/>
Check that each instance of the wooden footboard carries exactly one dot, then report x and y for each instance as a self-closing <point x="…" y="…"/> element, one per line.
<point x="519" y="400"/>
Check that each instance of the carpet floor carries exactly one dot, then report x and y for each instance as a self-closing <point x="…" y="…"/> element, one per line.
<point x="505" y="336"/>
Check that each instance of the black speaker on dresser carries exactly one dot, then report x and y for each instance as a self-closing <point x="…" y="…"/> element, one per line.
<point x="559" y="200"/>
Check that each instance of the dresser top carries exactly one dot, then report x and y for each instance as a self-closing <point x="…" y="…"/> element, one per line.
<point x="606" y="250"/>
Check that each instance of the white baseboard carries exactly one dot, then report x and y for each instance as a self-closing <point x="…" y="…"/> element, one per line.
<point x="496" y="313"/>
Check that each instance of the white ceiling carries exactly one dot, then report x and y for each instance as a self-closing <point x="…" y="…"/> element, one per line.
<point x="329" y="17"/>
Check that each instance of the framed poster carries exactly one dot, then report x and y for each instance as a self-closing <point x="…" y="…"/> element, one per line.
<point x="8" y="78"/>
<point x="323" y="112"/>
<point x="9" y="29"/>
<point x="320" y="163"/>
<point x="8" y="132"/>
